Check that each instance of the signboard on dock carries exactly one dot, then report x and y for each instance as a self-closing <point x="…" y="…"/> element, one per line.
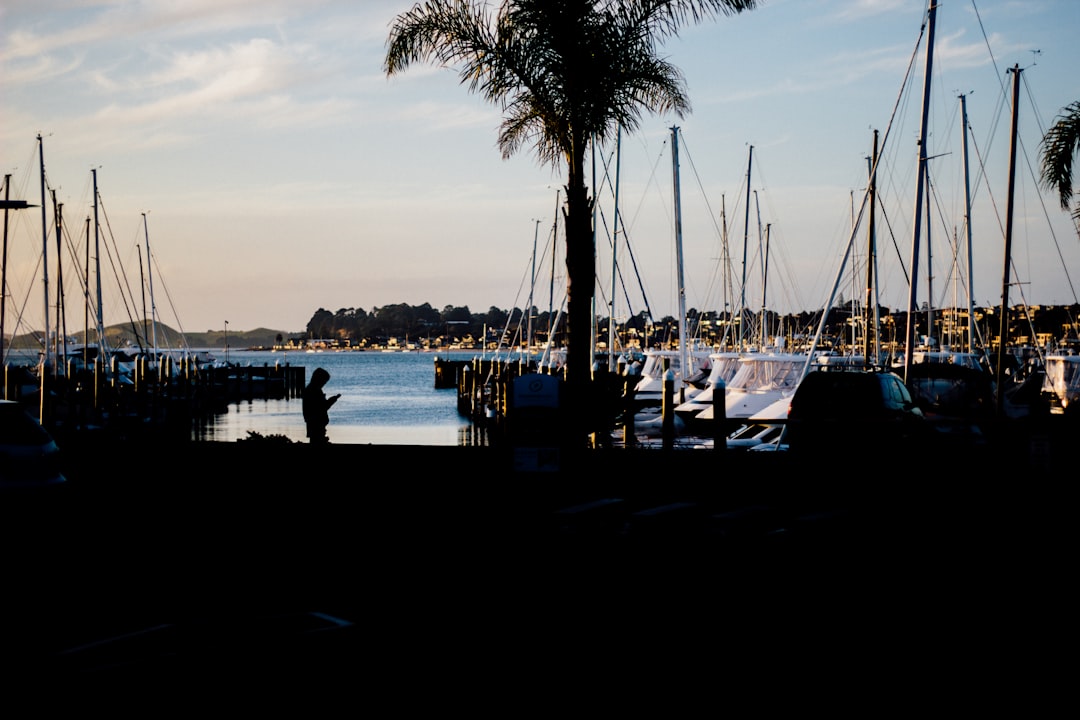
<point x="535" y="423"/>
<point x="540" y="391"/>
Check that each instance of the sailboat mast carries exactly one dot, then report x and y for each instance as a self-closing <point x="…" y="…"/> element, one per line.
<point x="551" y="278"/>
<point x="532" y="288"/>
<point x="684" y="350"/>
<point x="724" y="289"/>
<point x="614" y="253"/>
<point x="142" y="286"/>
<point x="967" y="225"/>
<point x="764" y="288"/>
<point x="725" y="272"/>
<point x="909" y="336"/>
<point x="764" y="270"/>
<point x="595" y="212"/>
<point x="745" y="241"/>
<point x="870" y="305"/>
<point x="61" y="324"/>
<point x="97" y="270"/>
<point x="150" y="278"/>
<point x="3" y="268"/>
<point x="44" y="245"/>
<point x="86" y="298"/>
<point x="1003" y="334"/>
<point x="929" y="266"/>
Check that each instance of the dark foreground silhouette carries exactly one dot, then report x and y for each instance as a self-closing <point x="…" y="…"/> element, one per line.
<point x="161" y="563"/>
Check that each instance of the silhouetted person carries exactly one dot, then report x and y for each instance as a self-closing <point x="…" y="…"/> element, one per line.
<point x="315" y="405"/>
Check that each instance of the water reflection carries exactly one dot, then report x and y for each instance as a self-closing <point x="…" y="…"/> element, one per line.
<point x="386" y="399"/>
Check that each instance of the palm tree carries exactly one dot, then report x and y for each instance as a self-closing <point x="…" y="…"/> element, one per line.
<point x="1059" y="147"/>
<point x="566" y="73"/>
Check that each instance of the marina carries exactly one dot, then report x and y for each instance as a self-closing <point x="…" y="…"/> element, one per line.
<point x="727" y="483"/>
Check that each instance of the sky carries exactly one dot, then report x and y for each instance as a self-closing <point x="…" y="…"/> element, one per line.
<point x="259" y="156"/>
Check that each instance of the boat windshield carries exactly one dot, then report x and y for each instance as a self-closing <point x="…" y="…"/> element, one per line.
<point x="724" y="367"/>
<point x="654" y="363"/>
<point x="768" y="372"/>
<point x="1063" y="377"/>
<point x="970" y="360"/>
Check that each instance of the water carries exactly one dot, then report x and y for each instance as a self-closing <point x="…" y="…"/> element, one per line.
<point x="386" y="399"/>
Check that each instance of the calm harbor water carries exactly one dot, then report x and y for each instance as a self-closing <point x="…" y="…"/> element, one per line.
<point x="386" y="399"/>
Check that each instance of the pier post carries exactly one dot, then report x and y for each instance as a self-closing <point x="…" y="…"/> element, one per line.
<point x="668" y="410"/>
<point x="98" y="370"/>
<point x="474" y="388"/>
<point x="463" y="389"/>
<point x="719" y="407"/>
<point x="599" y="381"/>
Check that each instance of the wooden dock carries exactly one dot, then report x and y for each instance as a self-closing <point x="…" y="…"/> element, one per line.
<point x="167" y="398"/>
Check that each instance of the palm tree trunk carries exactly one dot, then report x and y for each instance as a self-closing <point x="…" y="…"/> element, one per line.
<point x="580" y="284"/>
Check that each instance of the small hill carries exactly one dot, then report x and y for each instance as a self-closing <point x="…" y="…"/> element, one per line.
<point x="125" y="335"/>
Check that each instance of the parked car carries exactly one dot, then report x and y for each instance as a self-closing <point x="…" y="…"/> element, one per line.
<point x="838" y="407"/>
<point x="29" y="456"/>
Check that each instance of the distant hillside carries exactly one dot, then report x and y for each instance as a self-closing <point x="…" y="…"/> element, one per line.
<point x="168" y="338"/>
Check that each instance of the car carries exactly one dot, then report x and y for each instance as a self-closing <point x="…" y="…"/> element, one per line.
<point x="838" y="407"/>
<point x="29" y="457"/>
<point x="958" y="401"/>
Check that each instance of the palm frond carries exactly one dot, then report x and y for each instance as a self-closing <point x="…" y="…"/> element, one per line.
<point x="1059" y="148"/>
<point x="444" y="32"/>
<point x="667" y="17"/>
<point x="561" y="70"/>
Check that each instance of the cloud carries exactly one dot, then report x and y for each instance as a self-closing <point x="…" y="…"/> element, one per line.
<point x="435" y="117"/>
<point x="862" y="9"/>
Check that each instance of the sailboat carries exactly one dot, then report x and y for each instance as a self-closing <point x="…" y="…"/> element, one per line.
<point x="680" y="365"/>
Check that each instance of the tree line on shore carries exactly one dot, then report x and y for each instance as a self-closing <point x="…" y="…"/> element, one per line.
<point x="1046" y="325"/>
<point x="424" y="325"/>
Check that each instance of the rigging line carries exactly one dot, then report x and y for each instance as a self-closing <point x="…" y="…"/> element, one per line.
<point x="113" y="262"/>
<point x="30" y="287"/>
<point x="712" y="219"/>
<point x="697" y="177"/>
<point x="989" y="50"/>
<point x="1035" y="113"/>
<point x="605" y="176"/>
<point x="1042" y="200"/>
<point x="1025" y="308"/>
<point x="935" y="196"/>
<point x="599" y="285"/>
<point x="168" y="296"/>
<point x="776" y="242"/>
<point x="549" y="242"/>
<point x="626" y="233"/>
<point x="862" y="207"/>
<point x="651" y="182"/>
<point x="611" y="240"/>
<point x="990" y="192"/>
<point x="634" y="267"/>
<point x="29" y="166"/>
<point x="980" y="167"/>
<point x="997" y="213"/>
<point x="618" y="271"/>
<point x="73" y="256"/>
<point x="522" y="317"/>
<point x="1000" y="76"/>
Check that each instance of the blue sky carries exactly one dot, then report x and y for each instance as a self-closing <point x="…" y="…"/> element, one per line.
<point x="281" y="172"/>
